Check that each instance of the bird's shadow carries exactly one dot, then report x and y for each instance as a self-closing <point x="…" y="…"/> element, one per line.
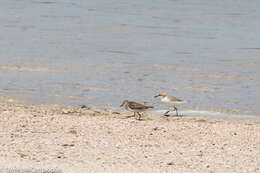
<point x="129" y="116"/>
<point x="168" y="115"/>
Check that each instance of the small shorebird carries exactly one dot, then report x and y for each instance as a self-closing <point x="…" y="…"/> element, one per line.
<point x="170" y="101"/>
<point x="135" y="107"/>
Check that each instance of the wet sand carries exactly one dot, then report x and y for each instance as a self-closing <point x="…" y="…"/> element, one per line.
<point x="82" y="140"/>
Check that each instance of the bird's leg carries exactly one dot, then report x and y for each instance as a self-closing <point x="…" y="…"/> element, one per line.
<point x="139" y="115"/>
<point x="176" y="111"/>
<point x="166" y="113"/>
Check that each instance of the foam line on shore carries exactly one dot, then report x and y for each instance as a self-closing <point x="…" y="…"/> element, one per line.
<point x="209" y="114"/>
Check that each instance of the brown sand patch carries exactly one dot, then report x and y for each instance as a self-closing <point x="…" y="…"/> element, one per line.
<point x="220" y="76"/>
<point x="98" y="89"/>
<point x="204" y="89"/>
<point x="13" y="99"/>
<point x="172" y="67"/>
<point x="30" y="69"/>
<point x="89" y="88"/>
<point x="18" y="91"/>
<point x="241" y="64"/>
<point x="65" y="96"/>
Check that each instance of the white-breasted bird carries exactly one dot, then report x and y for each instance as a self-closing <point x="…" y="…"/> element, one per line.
<point x="170" y="101"/>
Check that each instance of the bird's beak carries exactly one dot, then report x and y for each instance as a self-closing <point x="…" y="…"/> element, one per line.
<point x="156" y="96"/>
<point x="121" y="104"/>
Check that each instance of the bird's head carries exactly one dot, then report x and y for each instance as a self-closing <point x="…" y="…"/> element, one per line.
<point x="124" y="102"/>
<point x="162" y="94"/>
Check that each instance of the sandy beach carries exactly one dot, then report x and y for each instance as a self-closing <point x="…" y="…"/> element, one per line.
<point x="82" y="140"/>
<point x="56" y="55"/>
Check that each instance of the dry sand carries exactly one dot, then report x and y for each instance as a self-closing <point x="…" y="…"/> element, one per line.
<point x="81" y="140"/>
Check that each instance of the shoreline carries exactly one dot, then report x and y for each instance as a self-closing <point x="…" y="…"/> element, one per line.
<point x="75" y="140"/>
<point x="188" y="111"/>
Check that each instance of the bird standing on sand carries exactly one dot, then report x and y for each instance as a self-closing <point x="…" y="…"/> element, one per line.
<point x="135" y="107"/>
<point x="171" y="101"/>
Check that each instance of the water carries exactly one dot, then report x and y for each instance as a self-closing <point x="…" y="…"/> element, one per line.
<point x="99" y="52"/>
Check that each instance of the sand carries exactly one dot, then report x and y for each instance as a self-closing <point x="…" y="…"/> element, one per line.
<point x="64" y="139"/>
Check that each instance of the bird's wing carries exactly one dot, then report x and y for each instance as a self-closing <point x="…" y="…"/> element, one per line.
<point x="134" y="105"/>
<point x="175" y="99"/>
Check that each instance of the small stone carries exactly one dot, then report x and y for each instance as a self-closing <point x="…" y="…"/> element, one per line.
<point x="84" y="107"/>
<point x="22" y="155"/>
<point x="170" y="163"/>
<point x="65" y="111"/>
<point x="116" y="113"/>
<point x="156" y="128"/>
<point x="68" y="145"/>
<point x="147" y="145"/>
<point x="73" y="132"/>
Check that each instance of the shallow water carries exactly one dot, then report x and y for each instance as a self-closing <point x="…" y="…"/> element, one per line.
<point x="84" y="52"/>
